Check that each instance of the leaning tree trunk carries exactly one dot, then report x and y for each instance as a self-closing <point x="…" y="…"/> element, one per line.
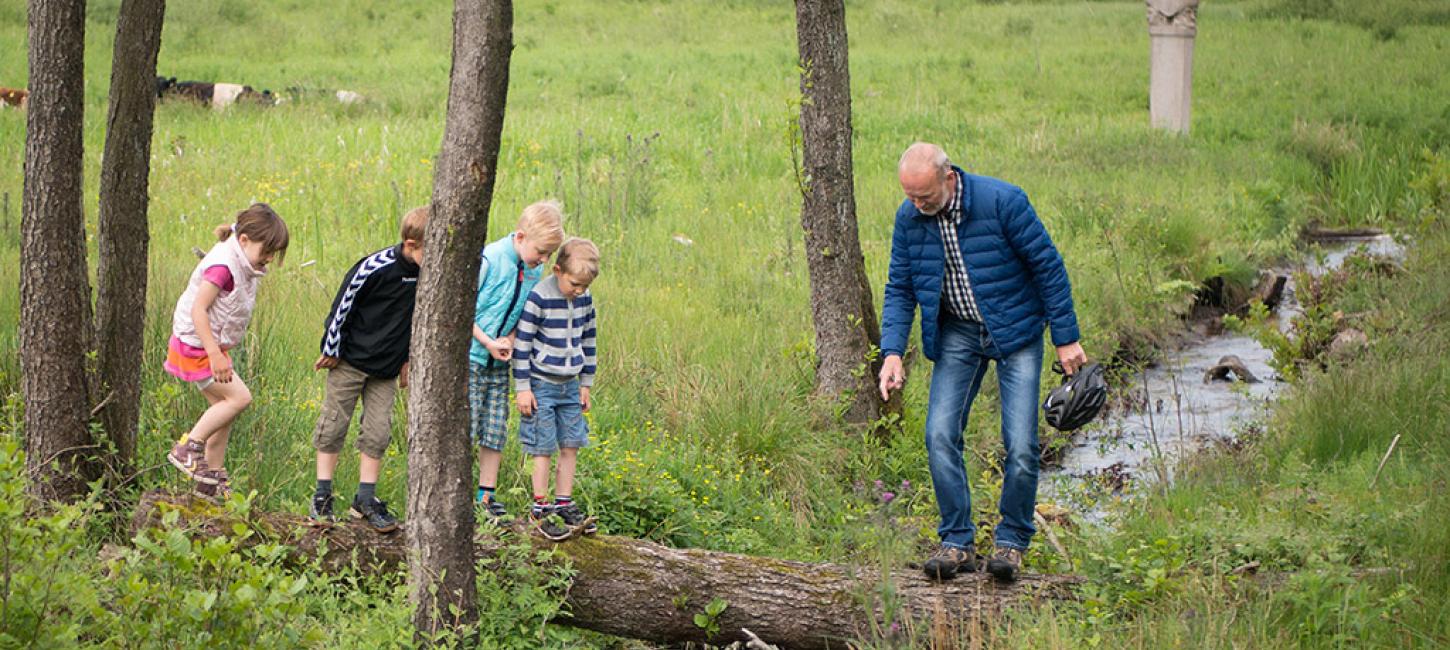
<point x="440" y="504"/>
<point x="54" y="289"/>
<point x="845" y="319"/>
<point x="639" y="589"/>
<point x="122" y="235"/>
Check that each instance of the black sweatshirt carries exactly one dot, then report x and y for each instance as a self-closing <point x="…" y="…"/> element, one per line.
<point x="371" y="322"/>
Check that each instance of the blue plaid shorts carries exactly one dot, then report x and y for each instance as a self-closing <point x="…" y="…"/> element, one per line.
<point x="488" y="405"/>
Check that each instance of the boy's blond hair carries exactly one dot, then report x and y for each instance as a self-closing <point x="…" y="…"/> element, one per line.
<point x="543" y="223"/>
<point x="579" y="258"/>
<point x="415" y="222"/>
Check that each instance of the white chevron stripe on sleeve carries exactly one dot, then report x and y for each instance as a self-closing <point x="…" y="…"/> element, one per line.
<point x="377" y="261"/>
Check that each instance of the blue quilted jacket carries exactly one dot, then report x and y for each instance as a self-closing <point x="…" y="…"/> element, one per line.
<point x="504" y="283"/>
<point x="1016" y="273"/>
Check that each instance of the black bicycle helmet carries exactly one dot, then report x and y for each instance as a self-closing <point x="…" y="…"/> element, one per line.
<point x="1078" y="400"/>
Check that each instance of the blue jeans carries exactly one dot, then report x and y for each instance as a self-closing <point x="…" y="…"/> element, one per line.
<point x="955" y="380"/>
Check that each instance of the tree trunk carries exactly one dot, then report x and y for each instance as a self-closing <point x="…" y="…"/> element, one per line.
<point x="54" y="288"/>
<point x="845" y="319"/>
<point x="639" y="589"/>
<point x="122" y="234"/>
<point x="440" y="494"/>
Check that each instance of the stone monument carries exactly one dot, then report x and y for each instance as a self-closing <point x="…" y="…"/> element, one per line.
<point x="1172" y="24"/>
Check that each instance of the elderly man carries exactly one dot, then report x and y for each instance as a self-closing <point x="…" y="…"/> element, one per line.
<point x="971" y="252"/>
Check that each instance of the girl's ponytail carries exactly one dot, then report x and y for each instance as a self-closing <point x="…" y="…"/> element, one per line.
<point x="224" y="231"/>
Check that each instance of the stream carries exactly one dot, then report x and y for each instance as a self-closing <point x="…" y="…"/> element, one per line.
<point x="1172" y="412"/>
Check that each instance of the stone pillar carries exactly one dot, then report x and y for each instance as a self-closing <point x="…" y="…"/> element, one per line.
<point x="1172" y="25"/>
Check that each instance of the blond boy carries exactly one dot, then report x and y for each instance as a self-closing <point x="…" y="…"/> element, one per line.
<point x="507" y="273"/>
<point x="554" y="364"/>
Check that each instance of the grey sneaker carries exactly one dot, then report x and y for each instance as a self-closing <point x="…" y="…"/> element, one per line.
<point x="545" y="520"/>
<point x="1005" y="564"/>
<point x="375" y="515"/>
<point x="575" y="519"/>
<point x="320" y="512"/>
<point x="948" y="561"/>
<point x="189" y="456"/>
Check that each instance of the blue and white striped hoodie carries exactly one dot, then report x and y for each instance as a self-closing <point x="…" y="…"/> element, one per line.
<point x="555" y="337"/>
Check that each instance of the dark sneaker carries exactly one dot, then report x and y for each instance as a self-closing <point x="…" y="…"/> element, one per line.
<point x="575" y="519"/>
<point x="216" y="492"/>
<point x="546" y="520"/>
<point x="375" y="515"/>
<point x="1005" y="564"/>
<point x="493" y="509"/>
<point x="321" y="511"/>
<point x="948" y="561"/>
<point x="189" y="456"/>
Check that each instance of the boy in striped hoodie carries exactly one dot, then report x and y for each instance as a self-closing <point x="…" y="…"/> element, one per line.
<point x="554" y="363"/>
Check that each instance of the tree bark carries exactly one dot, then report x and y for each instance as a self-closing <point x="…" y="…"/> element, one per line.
<point x="123" y="232"/>
<point x="639" y="589"/>
<point x="54" y="288"/>
<point x="440" y="503"/>
<point x="845" y="319"/>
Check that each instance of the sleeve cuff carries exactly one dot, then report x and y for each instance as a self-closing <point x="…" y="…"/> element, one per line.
<point x="1065" y="334"/>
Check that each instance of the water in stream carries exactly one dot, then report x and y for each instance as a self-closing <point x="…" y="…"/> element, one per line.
<point x="1175" y="413"/>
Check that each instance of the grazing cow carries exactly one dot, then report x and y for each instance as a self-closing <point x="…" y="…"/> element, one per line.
<point x="17" y="97"/>
<point x="164" y="86"/>
<point x="216" y="95"/>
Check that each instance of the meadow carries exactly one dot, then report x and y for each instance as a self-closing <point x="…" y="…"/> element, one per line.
<point x="665" y="130"/>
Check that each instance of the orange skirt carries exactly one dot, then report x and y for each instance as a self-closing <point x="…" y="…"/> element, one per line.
<point x="182" y="362"/>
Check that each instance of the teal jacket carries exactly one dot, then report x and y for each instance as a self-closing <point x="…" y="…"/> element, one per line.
<point x="504" y="284"/>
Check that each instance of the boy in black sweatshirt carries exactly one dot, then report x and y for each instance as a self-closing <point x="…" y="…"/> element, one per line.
<point x="365" y="353"/>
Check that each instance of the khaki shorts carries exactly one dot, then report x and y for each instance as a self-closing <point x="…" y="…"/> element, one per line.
<point x="344" y="385"/>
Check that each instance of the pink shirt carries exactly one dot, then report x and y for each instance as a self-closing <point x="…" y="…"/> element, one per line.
<point x="219" y="275"/>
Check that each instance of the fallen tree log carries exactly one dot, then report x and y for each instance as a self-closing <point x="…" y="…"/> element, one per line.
<point x="638" y="589"/>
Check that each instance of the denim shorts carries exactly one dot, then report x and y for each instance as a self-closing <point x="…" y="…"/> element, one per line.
<point x="558" y="420"/>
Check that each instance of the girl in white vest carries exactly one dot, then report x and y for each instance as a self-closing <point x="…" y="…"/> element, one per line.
<point x="210" y="318"/>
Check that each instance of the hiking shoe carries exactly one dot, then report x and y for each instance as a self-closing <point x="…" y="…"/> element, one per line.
<point x="214" y="492"/>
<point x="1005" y="564"/>
<point x="375" y="515"/>
<point x="320" y="513"/>
<point x="948" y="561"/>
<point x="189" y="456"/>
<point x="545" y="519"/>
<point x="575" y="519"/>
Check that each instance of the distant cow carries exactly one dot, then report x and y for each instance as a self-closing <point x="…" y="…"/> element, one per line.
<point x="216" y="95"/>
<point x="17" y="97"/>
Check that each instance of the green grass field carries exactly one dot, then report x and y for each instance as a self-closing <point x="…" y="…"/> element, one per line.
<point x="656" y="120"/>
